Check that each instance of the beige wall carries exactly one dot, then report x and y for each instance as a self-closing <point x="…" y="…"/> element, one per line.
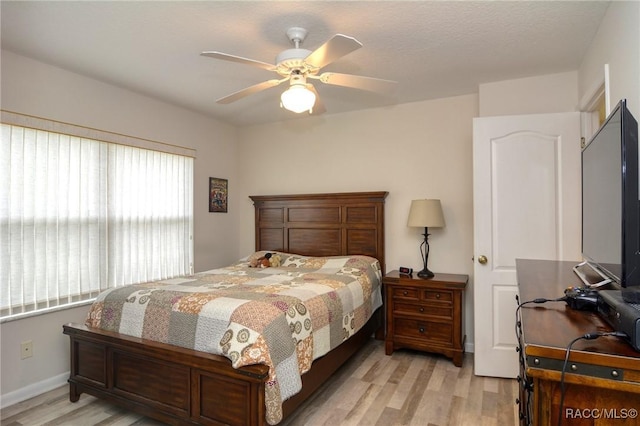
<point x="617" y="43"/>
<point x="533" y="95"/>
<point x="48" y="368"/>
<point x="34" y="88"/>
<point x="417" y="150"/>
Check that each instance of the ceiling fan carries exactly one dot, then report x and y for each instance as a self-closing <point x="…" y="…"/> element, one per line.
<point x="298" y="65"/>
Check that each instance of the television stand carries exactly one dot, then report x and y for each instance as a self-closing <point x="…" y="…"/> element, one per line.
<point x="602" y="375"/>
<point x="590" y="276"/>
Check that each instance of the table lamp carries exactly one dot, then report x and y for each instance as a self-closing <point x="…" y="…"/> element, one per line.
<point x="425" y="214"/>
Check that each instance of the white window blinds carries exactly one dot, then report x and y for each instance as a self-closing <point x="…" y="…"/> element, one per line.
<point x="78" y="216"/>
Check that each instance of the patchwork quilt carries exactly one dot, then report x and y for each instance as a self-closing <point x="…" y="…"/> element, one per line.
<point x="283" y="317"/>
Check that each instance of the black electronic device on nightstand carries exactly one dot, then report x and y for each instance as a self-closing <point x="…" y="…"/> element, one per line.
<point x="405" y="271"/>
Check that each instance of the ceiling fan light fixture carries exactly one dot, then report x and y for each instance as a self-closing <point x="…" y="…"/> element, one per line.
<point x="298" y="98"/>
<point x="296" y="65"/>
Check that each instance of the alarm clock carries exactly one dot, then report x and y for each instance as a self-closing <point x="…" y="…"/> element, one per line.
<point x="405" y="271"/>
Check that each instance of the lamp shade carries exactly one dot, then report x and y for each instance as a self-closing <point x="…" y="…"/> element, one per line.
<point x="298" y="98"/>
<point x="426" y="214"/>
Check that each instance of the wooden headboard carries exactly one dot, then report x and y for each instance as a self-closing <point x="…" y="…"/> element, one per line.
<point x="331" y="224"/>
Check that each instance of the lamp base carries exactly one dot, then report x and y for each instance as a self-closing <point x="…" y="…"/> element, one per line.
<point x="425" y="273"/>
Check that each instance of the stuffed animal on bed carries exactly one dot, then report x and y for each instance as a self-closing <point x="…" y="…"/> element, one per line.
<point x="266" y="261"/>
<point x="275" y="260"/>
<point x="260" y="262"/>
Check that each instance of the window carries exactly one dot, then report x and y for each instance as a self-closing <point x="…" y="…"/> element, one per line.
<point x="80" y="215"/>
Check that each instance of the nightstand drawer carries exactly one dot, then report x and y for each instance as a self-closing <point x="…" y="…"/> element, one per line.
<point x="437" y="296"/>
<point x="428" y="310"/>
<point x="406" y="293"/>
<point x="428" y="330"/>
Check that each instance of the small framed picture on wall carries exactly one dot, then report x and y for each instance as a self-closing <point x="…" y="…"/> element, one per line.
<point x="218" y="195"/>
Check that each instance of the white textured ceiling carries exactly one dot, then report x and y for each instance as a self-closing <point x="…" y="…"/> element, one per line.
<point x="433" y="49"/>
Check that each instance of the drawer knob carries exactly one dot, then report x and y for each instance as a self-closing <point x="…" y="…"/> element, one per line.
<point x="421" y="309"/>
<point x="421" y="329"/>
<point x="437" y="295"/>
<point x="404" y="293"/>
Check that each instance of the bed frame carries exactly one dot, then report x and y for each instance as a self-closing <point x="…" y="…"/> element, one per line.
<point x="183" y="386"/>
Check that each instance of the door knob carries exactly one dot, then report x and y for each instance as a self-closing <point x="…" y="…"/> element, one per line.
<point x="482" y="259"/>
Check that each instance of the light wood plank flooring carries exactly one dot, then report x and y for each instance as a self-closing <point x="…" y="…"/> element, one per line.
<point x="407" y="388"/>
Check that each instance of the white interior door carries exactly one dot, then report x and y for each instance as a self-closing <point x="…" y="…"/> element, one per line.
<point x="526" y="205"/>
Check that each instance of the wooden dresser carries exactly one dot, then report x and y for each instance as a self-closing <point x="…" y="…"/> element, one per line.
<point x="602" y="376"/>
<point x="425" y="314"/>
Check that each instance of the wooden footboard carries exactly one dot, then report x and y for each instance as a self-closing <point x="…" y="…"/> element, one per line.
<point x="168" y="383"/>
<point x="182" y="386"/>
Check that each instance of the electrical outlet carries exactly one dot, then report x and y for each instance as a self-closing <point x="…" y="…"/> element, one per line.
<point x="26" y="349"/>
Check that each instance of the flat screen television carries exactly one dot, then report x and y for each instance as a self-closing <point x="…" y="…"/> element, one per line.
<point x="610" y="202"/>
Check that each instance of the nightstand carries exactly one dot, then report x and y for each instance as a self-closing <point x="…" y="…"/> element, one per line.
<point x="425" y="314"/>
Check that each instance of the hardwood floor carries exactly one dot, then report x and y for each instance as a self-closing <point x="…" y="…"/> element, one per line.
<point x="407" y="388"/>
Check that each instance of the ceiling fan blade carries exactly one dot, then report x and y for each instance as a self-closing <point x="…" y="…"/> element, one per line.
<point x="250" y="90"/>
<point x="318" y="107"/>
<point x="357" y="82"/>
<point x="239" y="59"/>
<point x="338" y="46"/>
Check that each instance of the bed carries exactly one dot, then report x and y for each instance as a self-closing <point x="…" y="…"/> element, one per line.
<point x="181" y="385"/>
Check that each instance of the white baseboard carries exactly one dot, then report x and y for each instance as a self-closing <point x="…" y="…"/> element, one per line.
<point x="32" y="390"/>
<point x="469" y="347"/>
